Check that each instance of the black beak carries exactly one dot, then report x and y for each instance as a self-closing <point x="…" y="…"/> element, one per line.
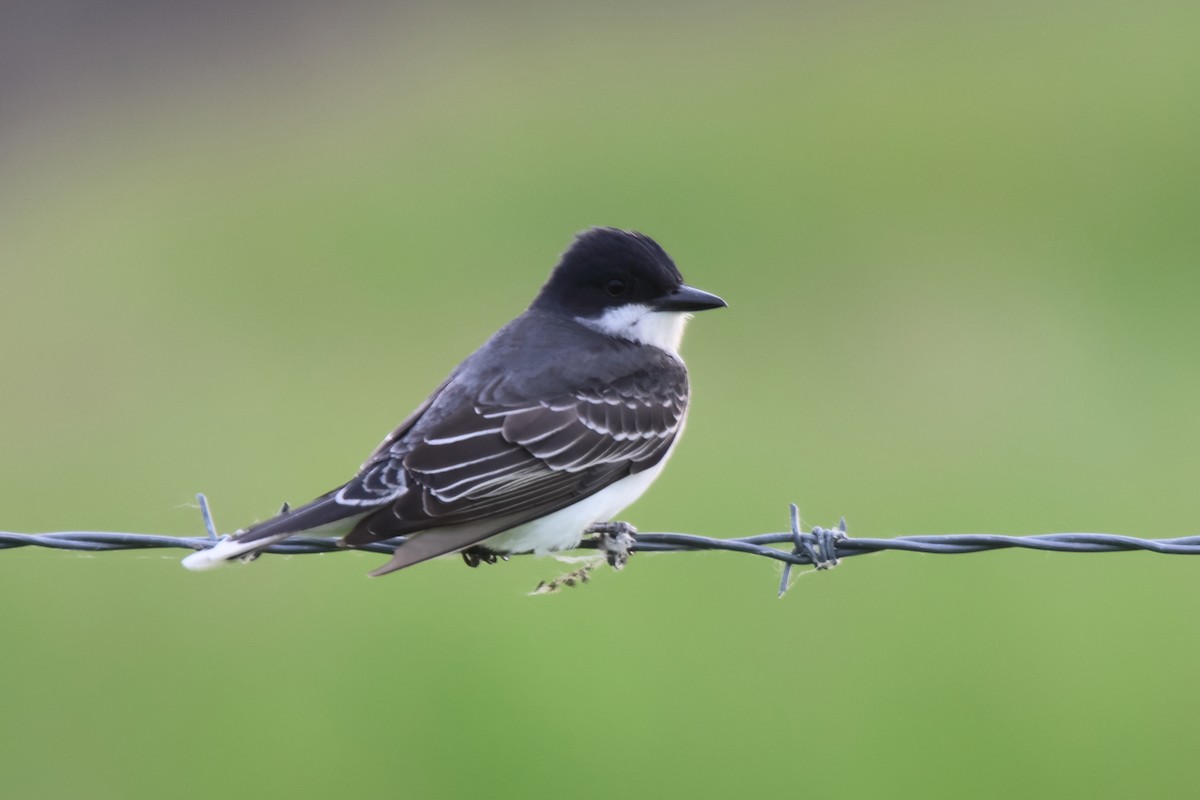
<point x="687" y="298"/>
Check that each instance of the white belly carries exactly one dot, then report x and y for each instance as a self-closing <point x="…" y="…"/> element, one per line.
<point x="563" y="529"/>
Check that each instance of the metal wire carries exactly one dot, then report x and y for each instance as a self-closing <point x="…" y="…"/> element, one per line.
<point x="948" y="544"/>
<point x="820" y="547"/>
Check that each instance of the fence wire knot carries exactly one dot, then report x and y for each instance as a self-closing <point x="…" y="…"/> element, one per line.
<point x="818" y="547"/>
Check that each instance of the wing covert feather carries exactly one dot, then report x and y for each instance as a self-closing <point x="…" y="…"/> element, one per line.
<point x="524" y="457"/>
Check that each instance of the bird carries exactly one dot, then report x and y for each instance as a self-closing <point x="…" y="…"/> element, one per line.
<point x="558" y="422"/>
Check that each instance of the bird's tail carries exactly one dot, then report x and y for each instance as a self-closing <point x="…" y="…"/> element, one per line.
<point x="323" y="516"/>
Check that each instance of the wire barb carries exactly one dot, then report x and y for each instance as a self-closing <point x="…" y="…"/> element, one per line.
<point x="206" y="515"/>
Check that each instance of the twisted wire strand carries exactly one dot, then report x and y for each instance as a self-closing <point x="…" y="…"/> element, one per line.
<point x="759" y="545"/>
<point x="822" y="548"/>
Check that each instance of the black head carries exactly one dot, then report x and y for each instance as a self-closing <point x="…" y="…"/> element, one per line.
<point x="606" y="267"/>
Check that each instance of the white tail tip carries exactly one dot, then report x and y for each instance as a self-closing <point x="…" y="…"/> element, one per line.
<point x="220" y="554"/>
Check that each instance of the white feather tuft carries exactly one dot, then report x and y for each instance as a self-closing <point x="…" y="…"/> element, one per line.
<point x="639" y="323"/>
<point x="224" y="551"/>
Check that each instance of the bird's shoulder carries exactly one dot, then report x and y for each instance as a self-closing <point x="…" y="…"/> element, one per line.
<point x="541" y="358"/>
<point x="543" y="353"/>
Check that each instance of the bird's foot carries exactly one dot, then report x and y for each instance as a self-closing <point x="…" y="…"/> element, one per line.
<point x="474" y="556"/>
<point x="616" y="540"/>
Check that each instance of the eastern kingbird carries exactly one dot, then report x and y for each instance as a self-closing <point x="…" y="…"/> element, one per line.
<point x="560" y="420"/>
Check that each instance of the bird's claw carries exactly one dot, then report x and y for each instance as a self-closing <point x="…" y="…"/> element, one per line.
<point x="617" y="540"/>
<point x="474" y="556"/>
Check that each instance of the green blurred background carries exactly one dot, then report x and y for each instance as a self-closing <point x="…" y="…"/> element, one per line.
<point x="959" y="241"/>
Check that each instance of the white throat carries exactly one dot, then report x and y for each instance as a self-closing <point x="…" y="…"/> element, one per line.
<point x="642" y="324"/>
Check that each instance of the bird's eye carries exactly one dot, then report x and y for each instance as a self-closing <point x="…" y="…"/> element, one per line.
<point x="616" y="287"/>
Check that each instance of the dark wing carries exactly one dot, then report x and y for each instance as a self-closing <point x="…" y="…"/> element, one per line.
<point x="503" y="460"/>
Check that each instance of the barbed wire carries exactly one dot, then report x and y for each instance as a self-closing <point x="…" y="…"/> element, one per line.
<point x="821" y="548"/>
